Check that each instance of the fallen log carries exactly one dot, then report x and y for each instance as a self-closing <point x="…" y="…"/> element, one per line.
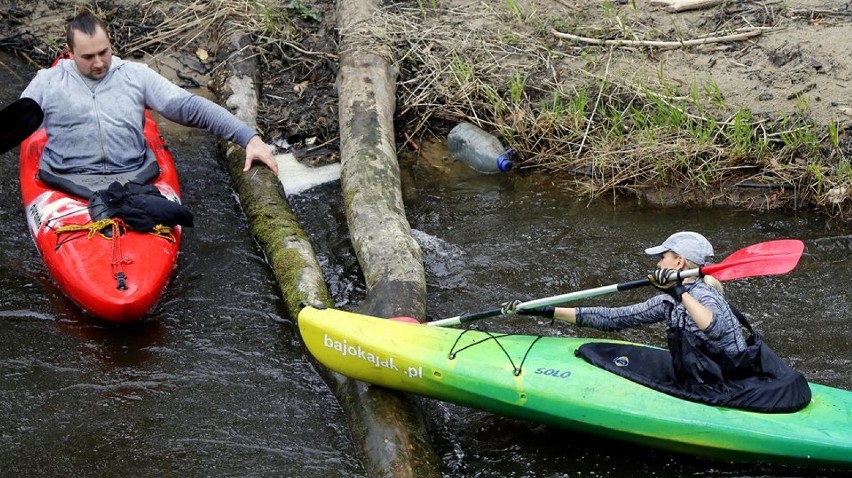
<point x="390" y="258"/>
<point x="286" y="246"/>
<point x="387" y="427"/>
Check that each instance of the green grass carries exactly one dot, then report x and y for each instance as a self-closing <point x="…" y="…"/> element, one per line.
<point x="515" y="10"/>
<point x="433" y="6"/>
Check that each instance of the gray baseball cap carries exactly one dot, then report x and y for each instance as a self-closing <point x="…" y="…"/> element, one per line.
<point x="690" y="245"/>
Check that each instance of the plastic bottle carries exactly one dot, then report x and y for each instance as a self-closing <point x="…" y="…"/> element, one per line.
<point x="479" y="149"/>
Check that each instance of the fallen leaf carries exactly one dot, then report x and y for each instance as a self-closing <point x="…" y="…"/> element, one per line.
<point x="299" y="88"/>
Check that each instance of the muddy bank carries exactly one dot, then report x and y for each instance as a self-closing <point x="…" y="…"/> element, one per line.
<point x="514" y="69"/>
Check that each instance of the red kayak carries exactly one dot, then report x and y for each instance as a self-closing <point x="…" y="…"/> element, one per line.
<point x="110" y="271"/>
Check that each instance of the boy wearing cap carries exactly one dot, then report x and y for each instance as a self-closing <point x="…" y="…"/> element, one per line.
<point x="712" y="361"/>
<point x="693" y="304"/>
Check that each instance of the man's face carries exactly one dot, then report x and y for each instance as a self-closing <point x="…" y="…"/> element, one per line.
<point x="92" y="54"/>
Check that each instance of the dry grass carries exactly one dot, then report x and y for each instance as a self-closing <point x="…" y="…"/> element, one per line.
<point x="560" y="105"/>
<point x="159" y="28"/>
<point x="562" y="108"/>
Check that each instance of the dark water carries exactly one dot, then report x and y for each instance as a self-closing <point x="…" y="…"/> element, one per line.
<point x="215" y="384"/>
<point x="488" y="239"/>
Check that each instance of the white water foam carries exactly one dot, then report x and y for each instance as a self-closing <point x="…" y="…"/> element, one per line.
<point x="442" y="259"/>
<point x="298" y="178"/>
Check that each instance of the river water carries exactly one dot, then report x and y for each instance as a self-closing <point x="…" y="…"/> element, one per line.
<point x="488" y="239"/>
<point x="214" y="383"/>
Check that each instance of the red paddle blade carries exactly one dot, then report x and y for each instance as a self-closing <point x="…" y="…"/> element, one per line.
<point x="762" y="259"/>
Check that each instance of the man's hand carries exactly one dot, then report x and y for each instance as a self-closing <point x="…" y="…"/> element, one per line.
<point x="257" y="150"/>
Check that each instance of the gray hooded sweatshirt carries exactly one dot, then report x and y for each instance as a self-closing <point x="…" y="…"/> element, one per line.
<point x="98" y="129"/>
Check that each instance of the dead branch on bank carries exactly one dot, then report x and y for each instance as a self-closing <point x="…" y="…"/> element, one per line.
<point x="684" y="5"/>
<point x="665" y="44"/>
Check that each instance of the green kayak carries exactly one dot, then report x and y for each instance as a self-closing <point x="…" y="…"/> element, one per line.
<point x="540" y="379"/>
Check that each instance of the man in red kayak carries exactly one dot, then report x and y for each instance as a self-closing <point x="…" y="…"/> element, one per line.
<point x="94" y="105"/>
<point x="710" y="359"/>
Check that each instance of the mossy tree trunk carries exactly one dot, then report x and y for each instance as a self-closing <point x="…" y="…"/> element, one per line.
<point x="387" y="427"/>
<point x="390" y="258"/>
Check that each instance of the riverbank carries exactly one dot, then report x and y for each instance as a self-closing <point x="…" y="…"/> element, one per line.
<point x="744" y="105"/>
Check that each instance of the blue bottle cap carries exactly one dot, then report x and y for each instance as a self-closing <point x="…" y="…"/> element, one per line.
<point x="504" y="161"/>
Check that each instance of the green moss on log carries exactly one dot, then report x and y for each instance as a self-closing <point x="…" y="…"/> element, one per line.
<point x="277" y="230"/>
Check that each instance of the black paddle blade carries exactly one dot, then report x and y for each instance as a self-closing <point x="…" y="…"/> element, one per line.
<point x="17" y="121"/>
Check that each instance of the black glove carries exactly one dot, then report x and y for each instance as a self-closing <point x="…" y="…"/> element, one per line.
<point x="510" y="307"/>
<point x="660" y="279"/>
<point x="546" y="311"/>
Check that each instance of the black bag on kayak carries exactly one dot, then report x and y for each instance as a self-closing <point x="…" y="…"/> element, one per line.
<point x="756" y="380"/>
<point x="140" y="206"/>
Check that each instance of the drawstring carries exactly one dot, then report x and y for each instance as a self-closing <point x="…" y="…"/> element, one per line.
<point x="496" y="338"/>
<point x="117" y="229"/>
<point x="164" y="232"/>
<point x="118" y="259"/>
<point x="94" y="227"/>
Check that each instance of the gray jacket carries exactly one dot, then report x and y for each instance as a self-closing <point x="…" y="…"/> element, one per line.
<point x="99" y="130"/>
<point x="723" y="334"/>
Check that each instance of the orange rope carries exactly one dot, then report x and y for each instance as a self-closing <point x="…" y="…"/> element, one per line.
<point x="94" y="227"/>
<point x="117" y="257"/>
<point x="117" y="227"/>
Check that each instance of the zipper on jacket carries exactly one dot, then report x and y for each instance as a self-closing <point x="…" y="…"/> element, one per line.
<point x="102" y="140"/>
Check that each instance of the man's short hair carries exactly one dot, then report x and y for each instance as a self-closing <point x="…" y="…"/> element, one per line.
<point x="85" y="22"/>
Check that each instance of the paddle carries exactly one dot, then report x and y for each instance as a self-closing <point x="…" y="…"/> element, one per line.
<point x="762" y="259"/>
<point x="17" y="121"/>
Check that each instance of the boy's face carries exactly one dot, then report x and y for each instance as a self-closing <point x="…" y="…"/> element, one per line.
<point x="670" y="260"/>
